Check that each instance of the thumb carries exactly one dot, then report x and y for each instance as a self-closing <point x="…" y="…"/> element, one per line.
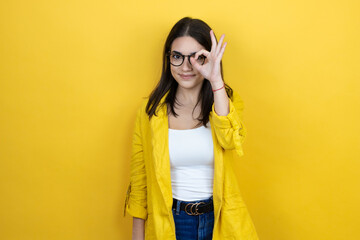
<point x="195" y="64"/>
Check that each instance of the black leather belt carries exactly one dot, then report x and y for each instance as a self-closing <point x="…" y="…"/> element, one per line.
<point x="194" y="209"/>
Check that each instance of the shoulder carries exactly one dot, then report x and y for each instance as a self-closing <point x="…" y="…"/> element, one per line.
<point x="237" y="100"/>
<point x="141" y="111"/>
<point x="144" y="102"/>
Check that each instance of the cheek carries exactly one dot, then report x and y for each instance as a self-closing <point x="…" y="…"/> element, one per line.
<point x="173" y="71"/>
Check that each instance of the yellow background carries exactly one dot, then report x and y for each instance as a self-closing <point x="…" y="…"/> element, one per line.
<point x="73" y="73"/>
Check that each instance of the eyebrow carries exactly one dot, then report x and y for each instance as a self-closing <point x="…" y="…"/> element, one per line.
<point x="183" y="54"/>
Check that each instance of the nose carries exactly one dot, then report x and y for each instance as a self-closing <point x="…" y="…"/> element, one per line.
<point x="186" y="66"/>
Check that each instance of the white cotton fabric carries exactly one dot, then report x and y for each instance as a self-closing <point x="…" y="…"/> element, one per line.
<point x="192" y="163"/>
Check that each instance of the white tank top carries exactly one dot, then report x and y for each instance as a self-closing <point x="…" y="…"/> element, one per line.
<point x="192" y="163"/>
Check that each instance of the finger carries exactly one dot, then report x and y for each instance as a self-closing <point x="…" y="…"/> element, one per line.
<point x="213" y="41"/>
<point x="195" y="64"/>
<point x="202" y="52"/>
<point x="219" y="47"/>
<point x="219" y="57"/>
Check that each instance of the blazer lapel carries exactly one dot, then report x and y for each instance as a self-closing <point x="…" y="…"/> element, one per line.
<point x="218" y="173"/>
<point x="161" y="159"/>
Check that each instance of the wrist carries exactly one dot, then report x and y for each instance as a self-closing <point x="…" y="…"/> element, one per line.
<point x="217" y="85"/>
<point x="215" y="80"/>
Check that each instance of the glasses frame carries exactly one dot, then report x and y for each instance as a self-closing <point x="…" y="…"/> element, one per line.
<point x="183" y="58"/>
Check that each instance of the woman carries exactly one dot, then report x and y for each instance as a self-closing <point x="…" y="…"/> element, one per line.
<point x="182" y="183"/>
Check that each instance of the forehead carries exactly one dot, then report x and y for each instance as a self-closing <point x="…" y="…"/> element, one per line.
<point x="186" y="45"/>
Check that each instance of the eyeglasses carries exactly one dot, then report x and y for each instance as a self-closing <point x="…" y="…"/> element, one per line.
<point x="177" y="59"/>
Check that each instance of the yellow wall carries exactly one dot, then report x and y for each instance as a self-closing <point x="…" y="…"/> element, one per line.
<point x="72" y="74"/>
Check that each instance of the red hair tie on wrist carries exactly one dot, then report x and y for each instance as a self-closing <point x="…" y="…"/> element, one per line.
<point x="219" y="88"/>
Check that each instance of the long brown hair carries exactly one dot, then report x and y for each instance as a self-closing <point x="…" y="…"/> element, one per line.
<point x="200" y="31"/>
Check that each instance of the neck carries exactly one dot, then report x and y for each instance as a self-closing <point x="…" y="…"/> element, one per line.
<point x="188" y="96"/>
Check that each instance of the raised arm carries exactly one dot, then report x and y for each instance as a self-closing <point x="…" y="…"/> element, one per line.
<point x="230" y="130"/>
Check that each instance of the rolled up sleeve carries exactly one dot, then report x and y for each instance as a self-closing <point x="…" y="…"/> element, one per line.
<point x="136" y="196"/>
<point x="230" y="130"/>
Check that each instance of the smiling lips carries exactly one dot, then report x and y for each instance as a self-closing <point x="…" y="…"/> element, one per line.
<point x="187" y="76"/>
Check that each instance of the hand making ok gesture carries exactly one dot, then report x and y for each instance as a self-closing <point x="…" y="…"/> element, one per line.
<point x="211" y="68"/>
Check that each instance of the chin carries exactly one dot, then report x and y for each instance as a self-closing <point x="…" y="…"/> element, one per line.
<point x="189" y="84"/>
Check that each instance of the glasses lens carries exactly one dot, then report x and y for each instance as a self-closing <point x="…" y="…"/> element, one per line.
<point x="176" y="59"/>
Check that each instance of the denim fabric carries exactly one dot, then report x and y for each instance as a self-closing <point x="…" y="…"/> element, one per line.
<point x="188" y="227"/>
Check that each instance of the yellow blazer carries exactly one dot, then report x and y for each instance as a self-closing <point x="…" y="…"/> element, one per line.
<point x="149" y="194"/>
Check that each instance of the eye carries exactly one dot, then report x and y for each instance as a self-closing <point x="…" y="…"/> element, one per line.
<point x="176" y="56"/>
<point x="201" y="57"/>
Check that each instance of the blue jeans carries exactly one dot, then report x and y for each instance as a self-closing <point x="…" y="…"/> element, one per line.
<point x="188" y="227"/>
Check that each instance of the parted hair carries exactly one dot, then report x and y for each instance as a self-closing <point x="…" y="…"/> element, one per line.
<point x="200" y="31"/>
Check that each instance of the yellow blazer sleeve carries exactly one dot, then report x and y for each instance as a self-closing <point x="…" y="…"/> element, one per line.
<point x="230" y="130"/>
<point x="136" y="197"/>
